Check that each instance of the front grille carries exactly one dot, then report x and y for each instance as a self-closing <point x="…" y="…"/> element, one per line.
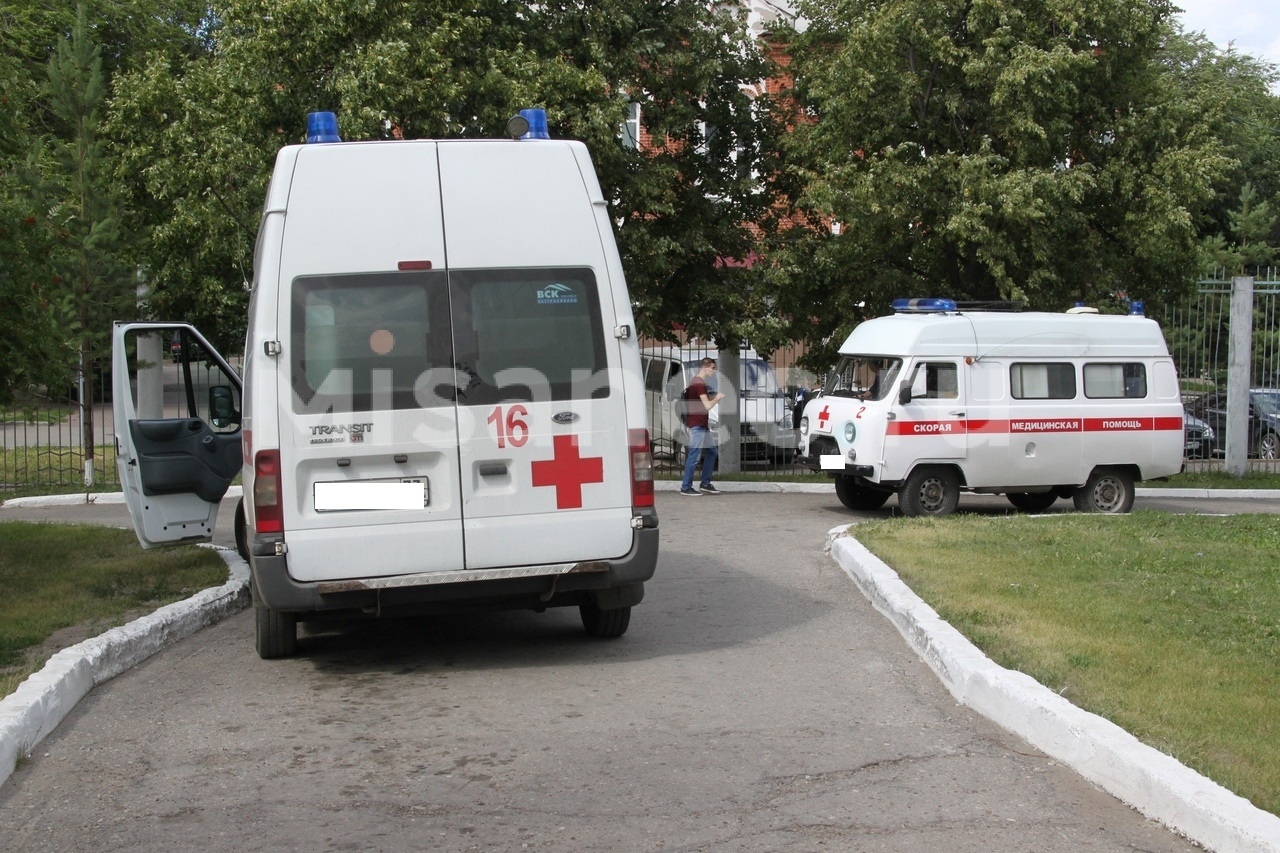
<point x="823" y="445"/>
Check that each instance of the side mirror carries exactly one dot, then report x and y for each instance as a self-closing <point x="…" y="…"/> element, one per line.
<point x="222" y="407"/>
<point x="904" y="393"/>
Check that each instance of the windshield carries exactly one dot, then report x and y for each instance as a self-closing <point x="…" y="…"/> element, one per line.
<point x="869" y="377"/>
<point x="758" y="378"/>
<point x="1268" y="402"/>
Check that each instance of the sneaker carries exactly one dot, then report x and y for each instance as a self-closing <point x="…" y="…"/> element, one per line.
<point x="690" y="492"/>
<point x="709" y="489"/>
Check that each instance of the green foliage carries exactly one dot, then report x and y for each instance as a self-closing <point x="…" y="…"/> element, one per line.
<point x="198" y="135"/>
<point x="74" y="190"/>
<point x="1042" y="152"/>
<point x="1250" y="226"/>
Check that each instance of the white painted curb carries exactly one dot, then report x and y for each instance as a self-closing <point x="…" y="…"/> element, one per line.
<point x="1150" y="781"/>
<point x="42" y="701"/>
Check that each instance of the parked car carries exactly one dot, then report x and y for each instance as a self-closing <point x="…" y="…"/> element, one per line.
<point x="1264" y="421"/>
<point x="1198" y="437"/>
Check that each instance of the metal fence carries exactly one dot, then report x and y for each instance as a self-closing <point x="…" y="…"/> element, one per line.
<point x="1199" y="333"/>
<point x="43" y="443"/>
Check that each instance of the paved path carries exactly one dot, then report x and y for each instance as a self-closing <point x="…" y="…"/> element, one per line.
<point x="757" y="703"/>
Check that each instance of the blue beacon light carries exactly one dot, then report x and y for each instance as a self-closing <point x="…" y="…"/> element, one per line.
<point x="537" y="119"/>
<point x="322" y="127"/>
<point x="923" y="305"/>
<point x="1137" y="309"/>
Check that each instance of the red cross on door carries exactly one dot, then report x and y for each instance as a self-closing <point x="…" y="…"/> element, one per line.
<point x="822" y="417"/>
<point x="568" y="471"/>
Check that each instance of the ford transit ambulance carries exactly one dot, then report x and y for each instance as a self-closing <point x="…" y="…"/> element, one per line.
<point x="440" y="403"/>
<point x="934" y="400"/>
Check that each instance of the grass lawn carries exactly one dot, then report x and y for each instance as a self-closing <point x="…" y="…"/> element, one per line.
<point x="1167" y="625"/>
<point x="55" y="577"/>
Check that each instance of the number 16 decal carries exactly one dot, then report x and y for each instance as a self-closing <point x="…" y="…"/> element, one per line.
<point x="512" y="429"/>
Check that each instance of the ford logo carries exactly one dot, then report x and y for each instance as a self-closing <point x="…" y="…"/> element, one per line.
<point x="564" y="417"/>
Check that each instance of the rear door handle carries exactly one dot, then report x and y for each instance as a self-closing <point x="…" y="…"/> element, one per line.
<point x="493" y="469"/>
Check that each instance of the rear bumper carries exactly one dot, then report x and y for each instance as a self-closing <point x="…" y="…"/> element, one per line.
<point x="515" y="587"/>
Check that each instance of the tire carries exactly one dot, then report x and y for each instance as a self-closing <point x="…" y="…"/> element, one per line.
<point x="929" y="491"/>
<point x="1269" y="446"/>
<point x="1032" y="501"/>
<point x="276" y="634"/>
<point x="242" y="532"/>
<point x="679" y="453"/>
<point x="1109" y="490"/>
<point x="857" y="497"/>
<point x="607" y="624"/>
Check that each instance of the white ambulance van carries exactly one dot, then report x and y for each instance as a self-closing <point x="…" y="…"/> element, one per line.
<point x="442" y="405"/>
<point x="934" y="400"/>
<point x="766" y="429"/>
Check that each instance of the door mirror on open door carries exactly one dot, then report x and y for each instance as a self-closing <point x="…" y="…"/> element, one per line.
<point x="222" y="407"/>
<point x="904" y="394"/>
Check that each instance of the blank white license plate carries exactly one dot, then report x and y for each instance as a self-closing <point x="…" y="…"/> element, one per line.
<point x="379" y="494"/>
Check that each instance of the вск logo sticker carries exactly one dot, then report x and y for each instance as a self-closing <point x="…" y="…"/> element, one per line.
<point x="557" y="294"/>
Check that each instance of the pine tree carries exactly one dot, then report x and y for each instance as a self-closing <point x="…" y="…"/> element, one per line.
<point x="91" y="286"/>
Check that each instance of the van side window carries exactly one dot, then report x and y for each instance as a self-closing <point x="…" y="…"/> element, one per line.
<point x="528" y="335"/>
<point x="935" y="381"/>
<point x="654" y="374"/>
<point x="1042" y="381"/>
<point x="362" y="342"/>
<point x="1109" y="381"/>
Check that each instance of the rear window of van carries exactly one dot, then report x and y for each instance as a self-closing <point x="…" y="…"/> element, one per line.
<point x="403" y="340"/>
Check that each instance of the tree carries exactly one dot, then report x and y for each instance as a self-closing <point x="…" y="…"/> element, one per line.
<point x="1002" y="149"/>
<point x="34" y="354"/>
<point x="197" y="135"/>
<point x="76" y="192"/>
<point x="1249" y="228"/>
<point x="1233" y="93"/>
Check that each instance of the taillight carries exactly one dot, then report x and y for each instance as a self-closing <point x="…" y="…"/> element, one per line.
<point x="641" y="468"/>
<point x="268" y="511"/>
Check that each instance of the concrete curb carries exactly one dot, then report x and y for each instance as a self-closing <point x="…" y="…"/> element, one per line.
<point x="42" y="701"/>
<point x="1145" y="778"/>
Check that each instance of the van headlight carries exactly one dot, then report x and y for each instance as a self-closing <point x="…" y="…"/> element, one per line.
<point x="804" y="426"/>
<point x="850" y="432"/>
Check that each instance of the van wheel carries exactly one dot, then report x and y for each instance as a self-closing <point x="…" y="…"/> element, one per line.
<point x="1268" y="446"/>
<point x="604" y="623"/>
<point x="1032" y="501"/>
<point x="1108" y="490"/>
<point x="277" y="633"/>
<point x="857" y="497"/>
<point x="932" y="491"/>
<point x="242" y="532"/>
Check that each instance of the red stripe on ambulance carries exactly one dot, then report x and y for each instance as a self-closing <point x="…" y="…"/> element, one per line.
<point x="1038" y="426"/>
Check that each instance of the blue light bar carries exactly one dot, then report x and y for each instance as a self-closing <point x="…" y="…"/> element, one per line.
<point x="923" y="306"/>
<point x="537" y="119"/>
<point x="322" y="127"/>
<point x="1137" y="309"/>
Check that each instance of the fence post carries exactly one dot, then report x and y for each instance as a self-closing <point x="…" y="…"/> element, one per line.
<point x="1239" y="360"/>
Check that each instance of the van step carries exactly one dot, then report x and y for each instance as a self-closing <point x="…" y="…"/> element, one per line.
<point x="430" y="578"/>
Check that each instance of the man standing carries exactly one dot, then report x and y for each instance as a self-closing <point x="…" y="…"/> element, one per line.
<point x="702" y="444"/>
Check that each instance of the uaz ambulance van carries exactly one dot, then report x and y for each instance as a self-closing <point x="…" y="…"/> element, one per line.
<point x="933" y="400"/>
<point x="764" y="418"/>
<point x="442" y="405"/>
